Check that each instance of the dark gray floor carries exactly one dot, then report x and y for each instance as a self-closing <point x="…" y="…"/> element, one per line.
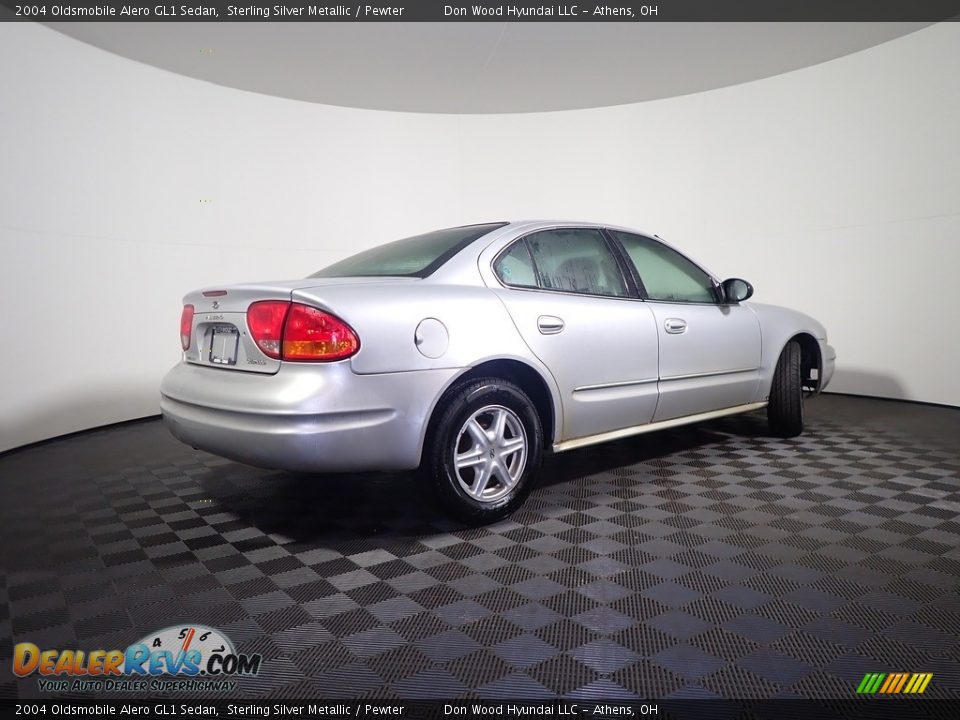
<point x="699" y="562"/>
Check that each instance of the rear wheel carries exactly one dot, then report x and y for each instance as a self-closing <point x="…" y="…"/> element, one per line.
<point x="785" y="409"/>
<point x="483" y="449"/>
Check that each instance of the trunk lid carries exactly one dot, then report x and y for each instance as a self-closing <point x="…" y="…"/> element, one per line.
<point x="220" y="336"/>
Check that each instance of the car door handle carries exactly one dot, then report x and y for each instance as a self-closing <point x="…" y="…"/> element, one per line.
<point x="675" y="326"/>
<point x="549" y="325"/>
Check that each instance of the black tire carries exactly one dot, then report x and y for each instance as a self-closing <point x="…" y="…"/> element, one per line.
<point x="444" y="439"/>
<point x="785" y="410"/>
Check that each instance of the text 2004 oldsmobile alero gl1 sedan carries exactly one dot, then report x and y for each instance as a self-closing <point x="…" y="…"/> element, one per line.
<point x="471" y="351"/>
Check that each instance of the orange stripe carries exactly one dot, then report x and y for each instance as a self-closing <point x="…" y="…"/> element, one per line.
<point x="886" y="685"/>
<point x="894" y="681"/>
<point x="903" y="681"/>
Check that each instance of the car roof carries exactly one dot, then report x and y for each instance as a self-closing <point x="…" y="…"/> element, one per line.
<point x="543" y="224"/>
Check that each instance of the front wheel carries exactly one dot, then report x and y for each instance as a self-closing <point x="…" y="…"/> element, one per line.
<point x="785" y="409"/>
<point x="483" y="449"/>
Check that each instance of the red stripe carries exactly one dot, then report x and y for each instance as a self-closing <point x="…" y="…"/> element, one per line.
<point x="186" y="641"/>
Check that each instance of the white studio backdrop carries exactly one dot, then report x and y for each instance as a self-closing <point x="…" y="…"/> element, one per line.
<point x="834" y="189"/>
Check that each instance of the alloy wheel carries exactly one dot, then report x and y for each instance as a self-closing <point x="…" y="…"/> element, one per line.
<point x="490" y="453"/>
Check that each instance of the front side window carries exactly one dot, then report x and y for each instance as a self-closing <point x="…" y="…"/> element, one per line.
<point x="416" y="256"/>
<point x="666" y="274"/>
<point x="575" y="260"/>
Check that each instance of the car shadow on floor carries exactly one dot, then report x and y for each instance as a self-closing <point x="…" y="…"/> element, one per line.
<point x="373" y="508"/>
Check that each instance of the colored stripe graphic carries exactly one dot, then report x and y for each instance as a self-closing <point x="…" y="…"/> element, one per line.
<point x="894" y="683"/>
<point x="903" y="681"/>
<point x="867" y="684"/>
<point x="918" y="683"/>
<point x="892" y="679"/>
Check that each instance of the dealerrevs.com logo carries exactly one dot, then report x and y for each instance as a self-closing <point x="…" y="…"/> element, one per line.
<point x="184" y="657"/>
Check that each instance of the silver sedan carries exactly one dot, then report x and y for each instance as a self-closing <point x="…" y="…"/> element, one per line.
<point x="470" y="352"/>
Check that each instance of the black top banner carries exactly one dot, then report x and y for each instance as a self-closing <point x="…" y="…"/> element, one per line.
<point x="482" y="11"/>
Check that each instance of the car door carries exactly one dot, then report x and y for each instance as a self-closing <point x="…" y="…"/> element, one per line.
<point x="580" y="316"/>
<point x="709" y="350"/>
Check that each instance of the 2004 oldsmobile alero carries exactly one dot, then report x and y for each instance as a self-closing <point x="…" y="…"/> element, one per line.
<point x="470" y="352"/>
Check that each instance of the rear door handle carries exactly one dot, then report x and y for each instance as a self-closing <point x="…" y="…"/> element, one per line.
<point x="549" y="324"/>
<point x="675" y="326"/>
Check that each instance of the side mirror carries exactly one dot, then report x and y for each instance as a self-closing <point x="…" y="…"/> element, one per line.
<point x="736" y="290"/>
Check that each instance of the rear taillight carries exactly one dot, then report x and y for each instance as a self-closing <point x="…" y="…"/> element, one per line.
<point x="265" y="320"/>
<point x="186" y="326"/>
<point x="313" y="335"/>
<point x="291" y="331"/>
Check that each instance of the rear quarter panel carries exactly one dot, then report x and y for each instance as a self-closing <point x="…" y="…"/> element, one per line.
<point x="386" y="320"/>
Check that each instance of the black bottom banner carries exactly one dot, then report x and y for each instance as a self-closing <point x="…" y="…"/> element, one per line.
<point x="894" y="708"/>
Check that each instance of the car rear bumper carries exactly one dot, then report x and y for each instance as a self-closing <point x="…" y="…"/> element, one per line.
<point x="307" y="418"/>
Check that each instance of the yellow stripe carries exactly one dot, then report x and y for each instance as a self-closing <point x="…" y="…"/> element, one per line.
<point x="926" y="682"/>
<point x="920" y="678"/>
<point x="913" y="683"/>
<point x="903" y="681"/>
<point x="886" y="685"/>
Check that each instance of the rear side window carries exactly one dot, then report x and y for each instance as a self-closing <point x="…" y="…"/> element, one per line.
<point x="416" y="256"/>
<point x="575" y="260"/>
<point x="515" y="267"/>
<point x="666" y="274"/>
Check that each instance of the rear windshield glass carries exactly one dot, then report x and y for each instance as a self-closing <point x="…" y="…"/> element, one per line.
<point x="416" y="256"/>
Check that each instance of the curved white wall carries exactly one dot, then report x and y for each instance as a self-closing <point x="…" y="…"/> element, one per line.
<point x="835" y="189"/>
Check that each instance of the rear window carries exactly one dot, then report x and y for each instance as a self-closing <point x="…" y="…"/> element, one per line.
<point x="416" y="256"/>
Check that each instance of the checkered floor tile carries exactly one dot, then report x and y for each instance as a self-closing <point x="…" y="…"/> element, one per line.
<point x="699" y="562"/>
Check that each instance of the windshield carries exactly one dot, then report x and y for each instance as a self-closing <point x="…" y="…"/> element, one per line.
<point x="416" y="256"/>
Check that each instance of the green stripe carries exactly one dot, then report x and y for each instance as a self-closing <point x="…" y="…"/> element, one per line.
<point x="878" y="683"/>
<point x="862" y="687"/>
